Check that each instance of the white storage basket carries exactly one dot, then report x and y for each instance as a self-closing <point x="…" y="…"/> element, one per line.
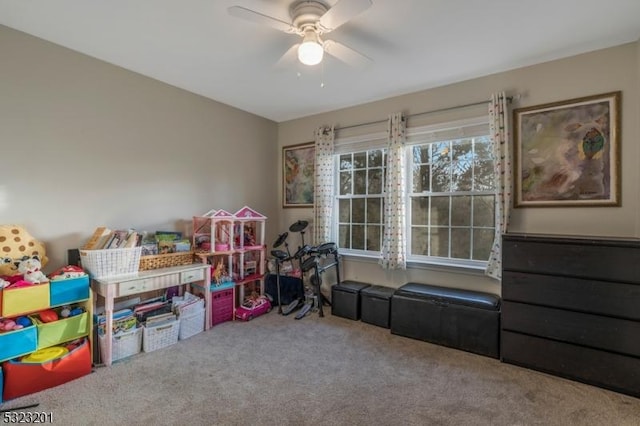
<point x="111" y="262"/>
<point x="160" y="336"/>
<point x="191" y="324"/>
<point x="123" y="345"/>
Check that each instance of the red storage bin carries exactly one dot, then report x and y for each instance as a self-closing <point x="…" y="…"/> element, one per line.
<point x="24" y="378"/>
<point x="221" y="306"/>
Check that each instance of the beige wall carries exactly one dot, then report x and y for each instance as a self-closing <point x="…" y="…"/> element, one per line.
<point x="602" y="71"/>
<point x="85" y="143"/>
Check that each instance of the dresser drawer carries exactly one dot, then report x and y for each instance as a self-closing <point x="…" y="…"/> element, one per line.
<point x="191" y="276"/>
<point x="143" y="285"/>
<point x="595" y="331"/>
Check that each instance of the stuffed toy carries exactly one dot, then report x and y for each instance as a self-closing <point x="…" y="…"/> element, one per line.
<point x="66" y="272"/>
<point x="30" y="267"/>
<point x="16" y="243"/>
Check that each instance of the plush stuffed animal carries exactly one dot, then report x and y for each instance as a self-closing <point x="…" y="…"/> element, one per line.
<point x="66" y="272"/>
<point x="15" y="243"/>
<point x="29" y="267"/>
<point x="3" y="283"/>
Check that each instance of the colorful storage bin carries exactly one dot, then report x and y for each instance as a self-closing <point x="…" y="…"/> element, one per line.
<point x="69" y="290"/>
<point x="63" y="330"/>
<point x="21" y="300"/>
<point x="18" y="342"/>
<point x="23" y="378"/>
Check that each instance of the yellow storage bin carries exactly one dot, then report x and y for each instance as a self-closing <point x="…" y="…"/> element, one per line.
<point x="63" y="330"/>
<point x="23" y="300"/>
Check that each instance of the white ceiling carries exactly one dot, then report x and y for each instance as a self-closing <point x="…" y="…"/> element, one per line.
<point x="414" y="44"/>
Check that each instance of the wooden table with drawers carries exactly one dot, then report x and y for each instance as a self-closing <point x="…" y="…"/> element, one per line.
<point x="144" y="281"/>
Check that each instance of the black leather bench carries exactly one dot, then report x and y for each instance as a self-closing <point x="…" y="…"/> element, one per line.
<point x="462" y="319"/>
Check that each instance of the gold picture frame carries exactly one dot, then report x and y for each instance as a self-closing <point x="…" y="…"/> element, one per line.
<point x="298" y="168"/>
<point x="568" y="153"/>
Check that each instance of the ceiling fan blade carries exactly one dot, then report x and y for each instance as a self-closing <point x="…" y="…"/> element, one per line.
<point x="341" y="12"/>
<point x="346" y="54"/>
<point x="289" y="58"/>
<point x="259" y="18"/>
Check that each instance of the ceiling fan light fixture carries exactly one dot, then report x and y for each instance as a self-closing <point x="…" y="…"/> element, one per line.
<point x="310" y="52"/>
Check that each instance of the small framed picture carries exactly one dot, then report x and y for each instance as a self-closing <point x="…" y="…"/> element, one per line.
<point x="568" y="153"/>
<point x="298" y="167"/>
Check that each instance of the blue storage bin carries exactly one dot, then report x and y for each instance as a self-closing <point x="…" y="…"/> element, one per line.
<point x="1" y="382"/>
<point x="19" y="342"/>
<point x="69" y="290"/>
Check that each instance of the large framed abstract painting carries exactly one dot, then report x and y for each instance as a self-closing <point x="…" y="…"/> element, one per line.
<point x="297" y="175"/>
<point x="568" y="153"/>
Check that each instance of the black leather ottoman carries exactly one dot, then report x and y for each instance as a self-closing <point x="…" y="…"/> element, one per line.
<point x="345" y="299"/>
<point x="375" y="305"/>
<point x="461" y="319"/>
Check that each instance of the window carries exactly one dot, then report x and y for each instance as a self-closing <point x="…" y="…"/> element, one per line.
<point x="450" y="195"/>
<point x="451" y="200"/>
<point x="360" y="200"/>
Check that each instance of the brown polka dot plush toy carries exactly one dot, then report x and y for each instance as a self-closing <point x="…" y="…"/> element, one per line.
<point x="15" y="244"/>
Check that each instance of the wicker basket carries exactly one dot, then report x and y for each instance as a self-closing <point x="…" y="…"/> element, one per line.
<point x="191" y="324"/>
<point x="111" y="262"/>
<point x="123" y="345"/>
<point x="158" y="261"/>
<point x="160" y="336"/>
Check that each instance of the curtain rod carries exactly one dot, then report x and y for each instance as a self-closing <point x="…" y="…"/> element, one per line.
<point x="509" y="99"/>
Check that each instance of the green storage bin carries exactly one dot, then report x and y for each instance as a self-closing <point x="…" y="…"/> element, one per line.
<point x="63" y="330"/>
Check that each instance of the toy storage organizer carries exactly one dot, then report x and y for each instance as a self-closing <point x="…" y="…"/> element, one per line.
<point x="22" y="378"/>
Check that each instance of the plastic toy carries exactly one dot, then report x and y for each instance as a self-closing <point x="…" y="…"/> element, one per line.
<point x="252" y="307"/>
<point x="48" y="315"/>
<point x="23" y="321"/>
<point x="65" y="312"/>
<point x="30" y="267"/>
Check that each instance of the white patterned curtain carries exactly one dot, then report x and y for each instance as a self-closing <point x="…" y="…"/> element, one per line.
<point x="323" y="184"/>
<point x="393" y="254"/>
<point x="499" y="133"/>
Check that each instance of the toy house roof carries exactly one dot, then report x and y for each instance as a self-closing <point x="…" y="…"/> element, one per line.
<point x="249" y="214"/>
<point x="222" y="214"/>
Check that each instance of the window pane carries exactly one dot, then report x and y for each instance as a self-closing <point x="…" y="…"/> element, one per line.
<point x="483" y="179"/>
<point x="344" y="236"/>
<point x="375" y="158"/>
<point x="482" y="148"/>
<point x="439" y="241"/>
<point x="373" y="238"/>
<point x="421" y="154"/>
<point x="344" y="208"/>
<point x="462" y="165"/>
<point x="421" y="177"/>
<point x="439" y="211"/>
<point x="461" y="211"/>
<point x="419" y="210"/>
<point x="375" y="181"/>
<point x="483" y="210"/>
<point x="357" y="239"/>
<point x="345" y="162"/>
<point x="441" y="167"/>
<point x="357" y="211"/>
<point x="360" y="160"/>
<point x="461" y="243"/>
<point x="345" y="183"/>
<point x="482" y="242"/>
<point x="374" y="209"/>
<point x="360" y="182"/>
<point x="419" y="240"/>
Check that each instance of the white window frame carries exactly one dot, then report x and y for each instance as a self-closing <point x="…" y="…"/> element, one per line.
<point x="459" y="129"/>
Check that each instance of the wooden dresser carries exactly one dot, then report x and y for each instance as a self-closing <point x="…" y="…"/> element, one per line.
<point x="571" y="307"/>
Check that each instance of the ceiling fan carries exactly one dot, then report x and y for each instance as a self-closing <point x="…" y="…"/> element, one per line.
<point x="312" y="19"/>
